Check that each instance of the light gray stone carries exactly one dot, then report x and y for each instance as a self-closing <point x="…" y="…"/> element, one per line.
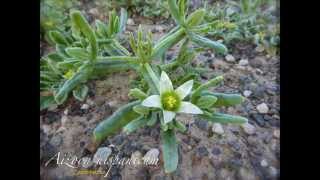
<point x="263" y="108"/>
<point x="230" y="58"/>
<point x="217" y="128"/>
<point x="101" y="155"/>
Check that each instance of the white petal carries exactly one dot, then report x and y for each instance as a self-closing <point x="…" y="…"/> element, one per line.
<point x="165" y="83"/>
<point x="184" y="89"/>
<point x="168" y="116"/>
<point x="152" y="101"/>
<point x="187" y="107"/>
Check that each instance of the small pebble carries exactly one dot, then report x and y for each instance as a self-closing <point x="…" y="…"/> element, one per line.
<point x="217" y="128"/>
<point x="259" y="49"/>
<point x="136" y="158"/>
<point x="46" y="128"/>
<point x="64" y="120"/>
<point x="264" y="163"/>
<point x="66" y="111"/>
<point x="247" y="93"/>
<point x="243" y="62"/>
<point x="276" y="133"/>
<point x="52" y="107"/>
<point x="248" y="128"/>
<point x="273" y="171"/>
<point x="85" y="106"/>
<point x="94" y="11"/>
<point x="101" y="155"/>
<point x="230" y="58"/>
<point x="159" y="28"/>
<point x="86" y="162"/>
<point x="262" y="108"/>
<point x="151" y="157"/>
<point x="130" y="22"/>
<point x="56" y="140"/>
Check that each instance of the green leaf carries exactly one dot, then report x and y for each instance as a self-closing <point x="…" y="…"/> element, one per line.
<point x="55" y="57"/>
<point x="101" y="29"/>
<point x="80" y="77"/>
<point x="205" y="42"/>
<point x="174" y="10"/>
<point x="196" y="17"/>
<point x="115" y="122"/>
<point x="167" y="42"/>
<point x="226" y="99"/>
<point x="46" y="101"/>
<point x="58" y="38"/>
<point x="169" y="150"/>
<point x="182" y="9"/>
<point x="81" y="23"/>
<point x="78" y="53"/>
<point x="224" y="118"/>
<point x="153" y="117"/>
<point x="123" y="19"/>
<point x="138" y="94"/>
<point x="81" y="92"/>
<point x="212" y="83"/>
<point x="142" y="110"/>
<point x="180" y="126"/>
<point x="135" y="124"/>
<point x="206" y="101"/>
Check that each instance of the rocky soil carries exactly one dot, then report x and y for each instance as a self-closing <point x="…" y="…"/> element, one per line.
<point x="207" y="151"/>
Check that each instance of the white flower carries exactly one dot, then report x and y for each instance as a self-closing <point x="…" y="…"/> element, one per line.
<point x="170" y="100"/>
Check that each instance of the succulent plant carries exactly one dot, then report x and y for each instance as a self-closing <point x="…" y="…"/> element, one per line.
<point x="156" y="99"/>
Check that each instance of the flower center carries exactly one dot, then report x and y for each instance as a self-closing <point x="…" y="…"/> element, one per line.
<point x="170" y="101"/>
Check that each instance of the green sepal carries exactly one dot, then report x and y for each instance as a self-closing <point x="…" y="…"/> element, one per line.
<point x="169" y="150"/>
<point x="81" y="92"/>
<point x="142" y="110"/>
<point x="137" y="93"/>
<point x="115" y="122"/>
<point x="152" y="119"/>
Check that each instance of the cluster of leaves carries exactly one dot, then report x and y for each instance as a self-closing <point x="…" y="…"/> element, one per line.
<point x="81" y="53"/>
<point x="251" y="21"/>
<point x="53" y="14"/>
<point x="146" y="8"/>
<point x="160" y="92"/>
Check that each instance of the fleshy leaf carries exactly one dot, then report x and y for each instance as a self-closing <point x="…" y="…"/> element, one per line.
<point x="81" y="23"/>
<point x="169" y="150"/>
<point x="224" y="118"/>
<point x="81" y="92"/>
<point x="115" y="122"/>
<point x="135" y="124"/>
